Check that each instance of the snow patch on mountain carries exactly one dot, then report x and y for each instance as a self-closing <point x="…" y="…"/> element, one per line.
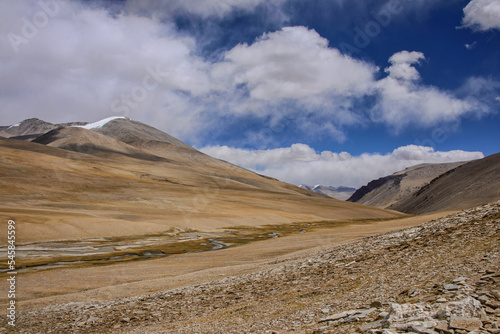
<point x="13" y="126"/>
<point x="99" y="124"/>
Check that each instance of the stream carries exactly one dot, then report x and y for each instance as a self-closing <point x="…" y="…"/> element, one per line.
<point x="216" y="245"/>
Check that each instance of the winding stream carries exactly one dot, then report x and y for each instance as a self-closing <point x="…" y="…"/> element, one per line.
<point x="74" y="251"/>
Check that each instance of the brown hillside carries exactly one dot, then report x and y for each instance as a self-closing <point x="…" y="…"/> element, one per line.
<point x="105" y="187"/>
<point x="471" y="184"/>
<point x="390" y="190"/>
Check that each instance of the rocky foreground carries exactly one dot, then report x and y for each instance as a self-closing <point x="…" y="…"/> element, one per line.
<point x="440" y="277"/>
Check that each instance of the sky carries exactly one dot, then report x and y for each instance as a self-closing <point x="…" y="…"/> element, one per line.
<point x="331" y="92"/>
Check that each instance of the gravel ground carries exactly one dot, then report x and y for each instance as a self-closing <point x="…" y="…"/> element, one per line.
<point x="412" y="266"/>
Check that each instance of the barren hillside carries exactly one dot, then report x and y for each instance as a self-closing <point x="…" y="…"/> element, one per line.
<point x="387" y="191"/>
<point x="469" y="185"/>
<point x="127" y="178"/>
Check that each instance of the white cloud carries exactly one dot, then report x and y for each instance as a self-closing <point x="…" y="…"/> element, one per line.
<point x="482" y="15"/>
<point x="294" y="63"/>
<point x="253" y="159"/>
<point x="401" y="65"/>
<point x="84" y="64"/>
<point x="301" y="164"/>
<point x="403" y="100"/>
<point x="78" y="62"/>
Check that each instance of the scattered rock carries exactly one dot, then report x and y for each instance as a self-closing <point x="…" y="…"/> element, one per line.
<point x="460" y="280"/>
<point x="370" y="325"/>
<point x="338" y="316"/>
<point x="451" y="287"/>
<point x="460" y="249"/>
<point x="468" y="324"/>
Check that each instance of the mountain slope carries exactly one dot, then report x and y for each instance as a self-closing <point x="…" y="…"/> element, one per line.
<point x="76" y="183"/>
<point x="468" y="185"/>
<point x="89" y="142"/>
<point x="388" y="190"/>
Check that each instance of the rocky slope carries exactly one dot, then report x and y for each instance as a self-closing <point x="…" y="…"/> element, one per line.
<point x="440" y="277"/>
<point x="466" y="186"/>
<point x="389" y="190"/>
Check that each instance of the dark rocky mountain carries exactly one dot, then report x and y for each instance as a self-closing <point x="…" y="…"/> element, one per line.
<point x="466" y="186"/>
<point x="391" y="189"/>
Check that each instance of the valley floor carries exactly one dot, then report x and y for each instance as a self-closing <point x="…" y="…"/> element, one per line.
<point x="295" y="284"/>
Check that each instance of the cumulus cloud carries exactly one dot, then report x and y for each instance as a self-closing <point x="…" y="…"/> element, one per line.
<point x="296" y="64"/>
<point x="292" y="63"/>
<point x="299" y="163"/>
<point x="401" y="65"/>
<point x="403" y="100"/>
<point x="482" y="15"/>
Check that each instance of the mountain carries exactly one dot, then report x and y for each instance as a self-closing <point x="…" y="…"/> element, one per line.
<point x="468" y="185"/>
<point x="30" y="129"/>
<point x="388" y="190"/>
<point x="119" y="178"/>
<point x="342" y="193"/>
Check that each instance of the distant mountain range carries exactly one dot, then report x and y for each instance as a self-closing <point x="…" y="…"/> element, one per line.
<point x="118" y="177"/>
<point x="342" y="193"/>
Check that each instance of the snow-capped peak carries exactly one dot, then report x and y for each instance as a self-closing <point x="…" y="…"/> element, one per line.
<point x="14" y="125"/>
<point x="99" y="124"/>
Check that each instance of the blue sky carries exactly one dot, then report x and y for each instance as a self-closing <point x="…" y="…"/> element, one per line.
<point x="310" y="91"/>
